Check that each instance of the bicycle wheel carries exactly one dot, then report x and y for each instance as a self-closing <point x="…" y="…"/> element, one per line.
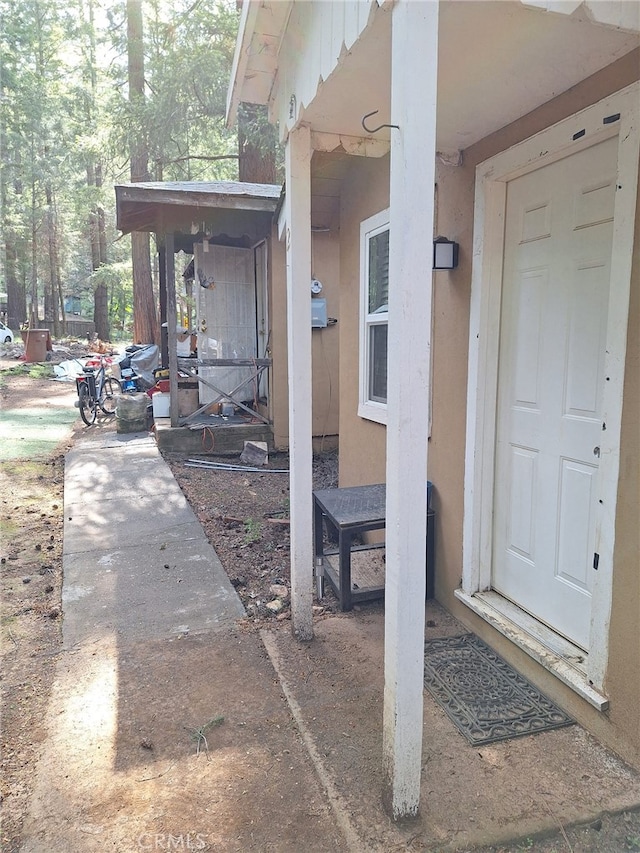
<point x="87" y="405"/>
<point x="111" y="390"/>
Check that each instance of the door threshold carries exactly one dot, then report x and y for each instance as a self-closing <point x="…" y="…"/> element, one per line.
<point x="557" y="655"/>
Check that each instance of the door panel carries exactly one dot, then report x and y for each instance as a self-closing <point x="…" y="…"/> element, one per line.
<point x="226" y="318"/>
<point x="550" y="378"/>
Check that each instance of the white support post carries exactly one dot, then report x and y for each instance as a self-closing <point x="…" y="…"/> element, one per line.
<point x="298" y="248"/>
<point x="414" y="68"/>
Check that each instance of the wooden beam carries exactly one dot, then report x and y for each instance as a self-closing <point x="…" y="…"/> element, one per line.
<point x="225" y="362"/>
<point x="162" y="281"/>
<point x="414" y="67"/>
<point x="172" y="337"/>
<point x="298" y="248"/>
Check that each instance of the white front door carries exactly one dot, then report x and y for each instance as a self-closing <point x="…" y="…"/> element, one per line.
<point x="555" y="294"/>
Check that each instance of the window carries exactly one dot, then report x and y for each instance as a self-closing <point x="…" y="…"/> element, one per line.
<point x="374" y="316"/>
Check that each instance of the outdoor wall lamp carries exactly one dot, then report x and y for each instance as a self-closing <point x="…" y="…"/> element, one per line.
<point x="445" y="254"/>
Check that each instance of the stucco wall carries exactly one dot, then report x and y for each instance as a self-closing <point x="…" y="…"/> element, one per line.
<point x="278" y="387"/>
<point x="325" y="342"/>
<point x="362" y="442"/>
<point x="623" y="680"/>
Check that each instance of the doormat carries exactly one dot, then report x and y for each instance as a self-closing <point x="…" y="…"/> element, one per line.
<point x="482" y="695"/>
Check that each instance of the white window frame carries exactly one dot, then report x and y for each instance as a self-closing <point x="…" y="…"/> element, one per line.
<point x="367" y="408"/>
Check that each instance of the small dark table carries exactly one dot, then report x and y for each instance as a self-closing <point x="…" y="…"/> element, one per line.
<point x="350" y="512"/>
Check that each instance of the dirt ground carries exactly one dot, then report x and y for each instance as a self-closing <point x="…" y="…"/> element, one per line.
<point x="31" y="524"/>
<point x="245" y="518"/>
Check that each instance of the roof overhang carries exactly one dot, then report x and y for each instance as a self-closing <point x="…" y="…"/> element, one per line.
<point x="255" y="62"/>
<point x="498" y="61"/>
<point x="230" y="209"/>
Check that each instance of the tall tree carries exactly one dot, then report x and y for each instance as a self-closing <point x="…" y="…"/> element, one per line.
<point x="94" y="171"/>
<point x="145" y="325"/>
<point x="94" y="92"/>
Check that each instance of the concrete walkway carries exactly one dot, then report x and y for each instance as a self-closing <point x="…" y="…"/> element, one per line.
<point x="136" y="560"/>
<point x="172" y="725"/>
<point x="166" y="725"/>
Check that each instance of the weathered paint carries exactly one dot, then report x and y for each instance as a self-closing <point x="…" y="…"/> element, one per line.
<point x="298" y="248"/>
<point x="413" y="147"/>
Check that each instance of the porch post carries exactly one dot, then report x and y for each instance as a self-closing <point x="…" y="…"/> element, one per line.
<point x="413" y="107"/>
<point x="169" y="260"/>
<point x="298" y="249"/>
<point x="162" y="282"/>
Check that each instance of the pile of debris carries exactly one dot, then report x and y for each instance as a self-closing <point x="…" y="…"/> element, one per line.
<point x="63" y="349"/>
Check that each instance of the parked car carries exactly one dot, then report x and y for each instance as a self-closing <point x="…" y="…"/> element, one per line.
<point x="6" y="335"/>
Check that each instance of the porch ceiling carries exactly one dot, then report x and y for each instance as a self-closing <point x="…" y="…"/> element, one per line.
<point x="497" y="62"/>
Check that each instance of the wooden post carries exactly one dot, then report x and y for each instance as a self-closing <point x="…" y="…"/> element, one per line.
<point x="162" y="281"/>
<point x="298" y="249"/>
<point x="172" y="337"/>
<point x="414" y="67"/>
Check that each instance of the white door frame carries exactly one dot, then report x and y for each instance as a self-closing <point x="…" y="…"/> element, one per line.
<point x="571" y="135"/>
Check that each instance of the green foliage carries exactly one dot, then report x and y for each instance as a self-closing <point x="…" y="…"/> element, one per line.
<point x="188" y="55"/>
<point x="252" y="531"/>
<point x="67" y="127"/>
<point x="33" y="371"/>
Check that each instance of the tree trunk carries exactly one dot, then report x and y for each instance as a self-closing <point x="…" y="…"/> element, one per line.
<point x="257" y="163"/>
<point x="16" y="300"/>
<point x="98" y="240"/>
<point x="145" y="324"/>
<point x="144" y="311"/>
<point x="33" y="305"/>
<point x="53" y="302"/>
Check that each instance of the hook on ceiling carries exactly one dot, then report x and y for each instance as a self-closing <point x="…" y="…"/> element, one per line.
<point x="373" y="130"/>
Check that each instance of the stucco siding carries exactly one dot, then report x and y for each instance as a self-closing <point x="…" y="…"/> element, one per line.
<point x="325" y="342"/>
<point x="278" y="387"/>
<point x="623" y="680"/>
<point x="365" y="192"/>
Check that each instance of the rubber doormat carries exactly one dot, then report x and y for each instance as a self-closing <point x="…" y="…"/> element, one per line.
<point x="483" y="696"/>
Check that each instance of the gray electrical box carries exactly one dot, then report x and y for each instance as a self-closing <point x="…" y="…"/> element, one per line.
<point x="318" y="313"/>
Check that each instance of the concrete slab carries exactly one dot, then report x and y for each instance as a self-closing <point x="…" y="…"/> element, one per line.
<point x="219" y="437"/>
<point x="127" y="520"/>
<point x="93" y="478"/>
<point x="98" y="438"/>
<point x="136" y="560"/>
<point x="146" y="591"/>
<point x="470" y="795"/>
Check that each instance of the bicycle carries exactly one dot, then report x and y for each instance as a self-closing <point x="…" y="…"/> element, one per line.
<point x="97" y="390"/>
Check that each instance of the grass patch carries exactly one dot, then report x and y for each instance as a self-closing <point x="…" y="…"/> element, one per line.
<point x="34" y="371"/>
<point x="252" y="531"/>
